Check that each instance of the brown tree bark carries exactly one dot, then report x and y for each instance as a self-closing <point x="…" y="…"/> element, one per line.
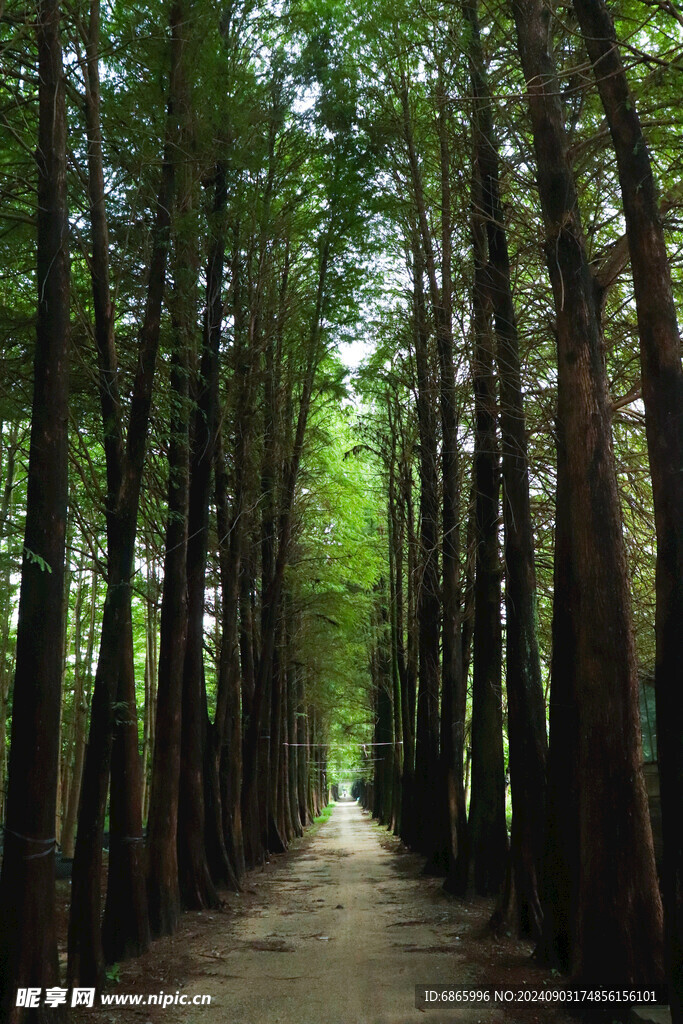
<point x="302" y="749"/>
<point x="125" y="925"/>
<point x="224" y="840"/>
<point x="617" y="927"/>
<point x="454" y="841"/>
<point x="383" y="753"/>
<point x="662" y="387"/>
<point x="420" y="831"/>
<point x="246" y="627"/>
<point x="230" y="518"/>
<point x="28" y="939"/>
<point x="487" y="826"/>
<point x="284" y="814"/>
<point x="255" y="811"/>
<point x="127" y="929"/>
<point x="448" y="848"/>
<point x="526" y="709"/>
<point x="200" y="825"/>
<point x="402" y="720"/>
<point x="560" y="874"/>
<point x="276" y="842"/>
<point x="228" y="706"/>
<point x="163" y="891"/>
<point x="271" y="599"/>
<point x="151" y="686"/>
<point x="293" y="750"/>
<point x="268" y="838"/>
<point x="10" y="448"/>
<point x="397" y="652"/>
<point x="409" y="685"/>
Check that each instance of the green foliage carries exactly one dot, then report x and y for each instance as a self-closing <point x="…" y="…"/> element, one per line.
<point x="301" y="105"/>
<point x="114" y="974"/>
<point x="34" y="559"/>
<point x="336" y="561"/>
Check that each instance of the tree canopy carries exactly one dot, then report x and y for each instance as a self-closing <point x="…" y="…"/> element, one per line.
<point x="370" y="470"/>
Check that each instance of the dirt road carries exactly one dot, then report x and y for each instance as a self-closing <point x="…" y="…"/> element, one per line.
<point x="338" y="931"/>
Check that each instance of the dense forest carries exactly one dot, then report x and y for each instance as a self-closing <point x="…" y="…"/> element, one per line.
<point x="341" y="442"/>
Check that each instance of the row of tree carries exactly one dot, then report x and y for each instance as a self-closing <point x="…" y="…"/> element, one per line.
<point x="578" y="873"/>
<point x="205" y="266"/>
<point x="220" y="198"/>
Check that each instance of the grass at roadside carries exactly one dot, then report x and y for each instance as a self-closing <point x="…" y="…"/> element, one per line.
<point x="325" y="814"/>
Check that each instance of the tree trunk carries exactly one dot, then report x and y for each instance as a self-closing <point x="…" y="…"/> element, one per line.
<point x="409" y="688"/>
<point x="197" y="886"/>
<point x="125" y="925"/>
<point x="662" y="386"/>
<point x="80" y="730"/>
<point x="69" y="733"/>
<point x="218" y="859"/>
<point x="454" y="843"/>
<point x="617" y="932"/>
<point x="150" y="694"/>
<point x="270" y="483"/>
<point x="448" y="848"/>
<point x="273" y="736"/>
<point x="246" y="632"/>
<point x="163" y="891"/>
<point x="421" y="830"/>
<point x="383" y="754"/>
<point x="396" y="621"/>
<point x="560" y="874"/>
<point x="228" y="703"/>
<point x="383" y="735"/>
<point x="70" y="632"/>
<point x="231" y="772"/>
<point x="6" y="660"/>
<point x="28" y="940"/>
<point x="303" y="750"/>
<point x="124" y="479"/>
<point x="526" y="709"/>
<point x="222" y="826"/>
<point x="258" y="826"/>
<point x="293" y="751"/>
<point x="487" y="826"/>
<point x="271" y="600"/>
<point x="284" y="809"/>
<point x="230" y="519"/>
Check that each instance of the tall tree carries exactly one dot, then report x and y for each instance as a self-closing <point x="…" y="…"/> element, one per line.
<point x="526" y="709"/>
<point x="617" y="924"/>
<point x="487" y="827"/>
<point x="200" y="834"/>
<point x="419" y="830"/>
<point x="453" y="685"/>
<point x="662" y="388"/>
<point x="28" y="940"/>
<point x="448" y="841"/>
<point x="10" y="448"/>
<point x="230" y="520"/>
<point x="162" y="830"/>
<point x="127" y="925"/>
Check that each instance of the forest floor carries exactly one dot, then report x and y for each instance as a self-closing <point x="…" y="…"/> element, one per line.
<point x="339" y="930"/>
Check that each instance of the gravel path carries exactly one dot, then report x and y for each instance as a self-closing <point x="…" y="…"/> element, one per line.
<point x="339" y="931"/>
